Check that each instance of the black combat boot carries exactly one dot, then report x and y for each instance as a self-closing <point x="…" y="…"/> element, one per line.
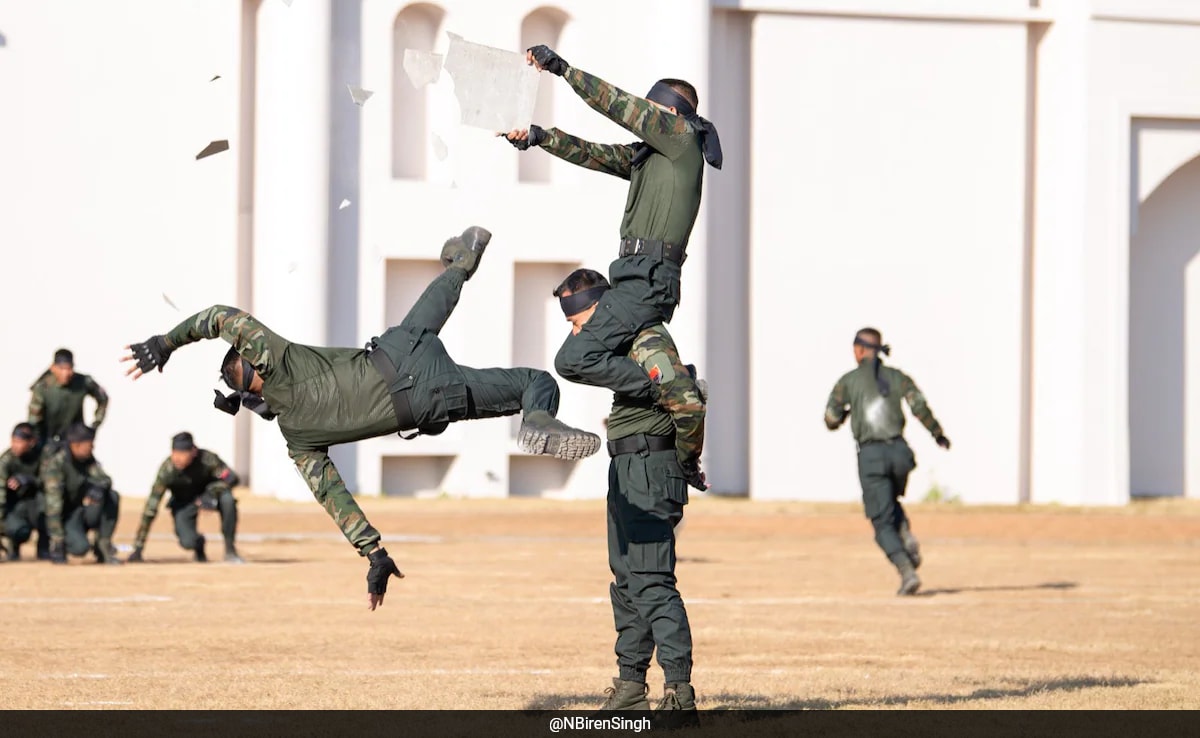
<point x="542" y="433"/>
<point x="198" y="552"/>
<point x="105" y="551"/>
<point x="678" y="707"/>
<point x="466" y="250"/>
<point x="231" y="556"/>
<point x="43" y="547"/>
<point x="911" y="545"/>
<point x="909" y="581"/>
<point x="623" y="695"/>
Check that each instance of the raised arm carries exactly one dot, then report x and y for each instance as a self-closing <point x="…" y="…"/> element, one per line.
<point x="614" y="159"/>
<point x="665" y="131"/>
<point x="835" y="408"/>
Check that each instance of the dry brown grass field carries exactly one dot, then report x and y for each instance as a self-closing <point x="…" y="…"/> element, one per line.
<point x="505" y="605"/>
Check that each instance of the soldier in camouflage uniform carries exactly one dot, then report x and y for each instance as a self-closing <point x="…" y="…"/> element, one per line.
<point x="57" y="400"/>
<point x="79" y="498"/>
<point x="665" y="170"/>
<point x="20" y="492"/>
<point x="651" y="445"/>
<point x="197" y="478"/>
<point x="404" y="381"/>
<point x="870" y="396"/>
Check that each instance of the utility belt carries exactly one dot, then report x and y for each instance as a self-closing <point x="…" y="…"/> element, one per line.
<point x="639" y="443"/>
<point x="672" y="252"/>
<point x="888" y="442"/>
<point x="400" y="401"/>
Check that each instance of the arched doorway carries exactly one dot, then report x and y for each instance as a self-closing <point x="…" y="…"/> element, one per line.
<point x="1164" y="338"/>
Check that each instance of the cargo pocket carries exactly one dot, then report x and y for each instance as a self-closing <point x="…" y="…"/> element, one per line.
<point x="651" y="547"/>
<point x="613" y="324"/>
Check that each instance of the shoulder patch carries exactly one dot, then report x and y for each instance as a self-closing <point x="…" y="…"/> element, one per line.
<point x="658" y="366"/>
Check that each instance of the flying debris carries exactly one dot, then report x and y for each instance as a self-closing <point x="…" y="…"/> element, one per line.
<point x="345" y="204"/>
<point x="359" y="95"/>
<point x="439" y="147"/>
<point x="215" y="78"/>
<point x="215" y="147"/>
<point x="168" y="301"/>
<point x="422" y="67"/>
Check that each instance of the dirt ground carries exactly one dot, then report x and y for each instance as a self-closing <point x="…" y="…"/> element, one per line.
<point x="505" y="605"/>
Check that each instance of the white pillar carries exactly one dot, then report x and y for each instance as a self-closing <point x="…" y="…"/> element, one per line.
<point x="1058" y="408"/>
<point x="291" y="201"/>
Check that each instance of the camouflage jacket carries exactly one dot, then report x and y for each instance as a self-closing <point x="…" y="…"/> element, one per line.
<point x="323" y="396"/>
<point x="664" y="189"/>
<point x="10" y="466"/>
<point x="64" y="478"/>
<point x="680" y="407"/>
<point x="53" y="407"/>
<point x="206" y="473"/>
<point x="874" y="417"/>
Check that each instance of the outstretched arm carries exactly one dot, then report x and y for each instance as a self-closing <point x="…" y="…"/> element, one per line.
<point x="256" y="343"/>
<point x="659" y="127"/>
<point x="151" y="510"/>
<point x="330" y="490"/>
<point x="614" y="159"/>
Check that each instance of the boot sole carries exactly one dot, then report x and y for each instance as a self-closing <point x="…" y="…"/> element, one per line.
<point x="910" y="589"/>
<point x="560" y="445"/>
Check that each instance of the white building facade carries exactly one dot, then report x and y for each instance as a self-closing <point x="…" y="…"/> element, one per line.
<point x="1009" y="190"/>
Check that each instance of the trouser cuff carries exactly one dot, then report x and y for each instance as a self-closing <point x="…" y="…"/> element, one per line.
<point x="631" y="674"/>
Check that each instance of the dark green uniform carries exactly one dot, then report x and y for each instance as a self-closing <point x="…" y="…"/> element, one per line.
<point x="646" y="495"/>
<point x="663" y="201"/>
<point x="206" y="476"/>
<point x="69" y="514"/>
<point x="53" y="407"/>
<point x="884" y="458"/>
<point x="326" y="396"/>
<point x="21" y="508"/>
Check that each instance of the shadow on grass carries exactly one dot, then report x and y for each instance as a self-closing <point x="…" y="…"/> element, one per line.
<point x="997" y="588"/>
<point x="733" y="701"/>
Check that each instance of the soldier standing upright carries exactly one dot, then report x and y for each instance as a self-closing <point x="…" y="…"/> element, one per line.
<point x="196" y="478"/>
<point x="665" y="170"/>
<point x="870" y="395"/>
<point x="57" y="400"/>
<point x="651" y="445"/>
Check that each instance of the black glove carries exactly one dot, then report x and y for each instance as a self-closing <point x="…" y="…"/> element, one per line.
<point x="25" y="482"/>
<point x="95" y="492"/>
<point x="943" y="442"/>
<point x="135" y="557"/>
<point x="382" y="567"/>
<point x="58" y="553"/>
<point x="151" y="353"/>
<point x="548" y="60"/>
<point x="207" y="502"/>
<point x="537" y="134"/>
<point x="693" y="476"/>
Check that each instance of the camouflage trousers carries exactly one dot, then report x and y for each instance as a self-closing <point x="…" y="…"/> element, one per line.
<point x="645" y="292"/>
<point x="187" y="514"/>
<point x="101" y="517"/>
<point x="883" y="469"/>
<point x="646" y="495"/>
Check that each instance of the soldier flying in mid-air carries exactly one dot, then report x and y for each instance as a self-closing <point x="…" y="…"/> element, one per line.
<point x="402" y="381"/>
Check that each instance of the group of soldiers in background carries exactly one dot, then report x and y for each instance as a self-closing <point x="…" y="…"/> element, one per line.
<point x="51" y="483"/>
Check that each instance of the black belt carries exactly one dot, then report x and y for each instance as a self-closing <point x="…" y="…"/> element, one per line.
<point x="639" y="442"/>
<point x="400" y="403"/>
<point x="889" y="442"/>
<point x="672" y="252"/>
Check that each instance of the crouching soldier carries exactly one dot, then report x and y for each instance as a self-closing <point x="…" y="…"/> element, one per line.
<point x="20" y="492"/>
<point x="196" y="478"/>
<point x="79" y="498"/>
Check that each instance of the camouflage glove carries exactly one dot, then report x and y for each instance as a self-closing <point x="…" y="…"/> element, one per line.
<point x="135" y="557"/>
<point x="942" y="441"/>
<point x="537" y="134"/>
<point x="382" y="567"/>
<point x="58" y="552"/>
<point x="151" y="353"/>
<point x="693" y="476"/>
<point x="548" y="60"/>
